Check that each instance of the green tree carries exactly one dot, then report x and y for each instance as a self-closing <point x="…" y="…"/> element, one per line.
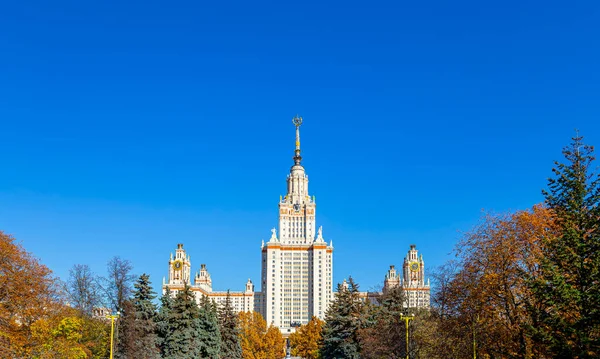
<point x="162" y="320"/>
<point x="182" y="340"/>
<point x="209" y="333"/>
<point x="231" y="347"/>
<point x="343" y="321"/>
<point x="567" y="315"/>
<point x="146" y="344"/>
<point x="138" y="326"/>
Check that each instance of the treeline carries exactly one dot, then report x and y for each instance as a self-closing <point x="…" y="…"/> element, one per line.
<point x="39" y="317"/>
<point x="42" y="317"/>
<point x="522" y="285"/>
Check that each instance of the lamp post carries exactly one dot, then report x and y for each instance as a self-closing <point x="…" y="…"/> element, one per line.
<point x="112" y="318"/>
<point x="474" y="340"/>
<point x="406" y="319"/>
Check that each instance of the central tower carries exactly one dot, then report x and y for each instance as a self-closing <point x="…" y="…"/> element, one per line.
<point x="297" y="208"/>
<point x="297" y="266"/>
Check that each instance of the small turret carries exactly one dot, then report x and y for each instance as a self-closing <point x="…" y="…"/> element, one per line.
<point x="249" y="286"/>
<point x="203" y="280"/>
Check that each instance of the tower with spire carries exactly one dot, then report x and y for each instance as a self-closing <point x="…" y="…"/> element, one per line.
<point x="297" y="264"/>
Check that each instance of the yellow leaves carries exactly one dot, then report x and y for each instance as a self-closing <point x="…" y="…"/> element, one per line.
<point x="70" y="329"/>
<point x="306" y="340"/>
<point x="58" y="337"/>
<point x="274" y="344"/>
<point x="258" y="341"/>
<point x="33" y="321"/>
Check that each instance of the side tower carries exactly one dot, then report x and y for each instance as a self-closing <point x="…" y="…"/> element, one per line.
<point x="180" y="275"/>
<point x="413" y="279"/>
<point x="392" y="279"/>
<point x="297" y="266"/>
<point x="179" y="268"/>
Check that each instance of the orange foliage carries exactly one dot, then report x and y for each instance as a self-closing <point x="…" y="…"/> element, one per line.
<point x="489" y="293"/>
<point x="258" y="341"/>
<point x="27" y="294"/>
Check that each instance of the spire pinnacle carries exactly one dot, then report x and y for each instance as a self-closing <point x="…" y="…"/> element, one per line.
<point x="297" y="121"/>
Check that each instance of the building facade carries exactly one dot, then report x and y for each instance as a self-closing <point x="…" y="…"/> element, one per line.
<point x="297" y="265"/>
<point x="412" y="279"/>
<point x="180" y="274"/>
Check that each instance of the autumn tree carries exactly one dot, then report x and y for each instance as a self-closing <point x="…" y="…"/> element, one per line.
<point x="568" y="288"/>
<point x="305" y="342"/>
<point x="343" y="321"/>
<point x="95" y="337"/>
<point x="83" y="289"/>
<point x="274" y="343"/>
<point x="439" y="333"/>
<point x="118" y="285"/>
<point x="58" y="338"/>
<point x="384" y="334"/>
<point x="257" y="340"/>
<point x="28" y="293"/>
<point x="485" y="298"/>
<point x="427" y="341"/>
<point x="228" y="327"/>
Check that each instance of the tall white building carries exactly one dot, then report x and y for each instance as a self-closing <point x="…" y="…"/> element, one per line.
<point x="180" y="274"/>
<point x="297" y="265"/>
<point x="412" y="279"/>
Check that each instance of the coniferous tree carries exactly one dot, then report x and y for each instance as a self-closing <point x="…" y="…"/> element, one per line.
<point x="208" y="326"/>
<point x="343" y="321"/>
<point x="162" y="319"/>
<point x="182" y="334"/>
<point x="146" y="339"/>
<point x="230" y="336"/>
<point x="567" y="314"/>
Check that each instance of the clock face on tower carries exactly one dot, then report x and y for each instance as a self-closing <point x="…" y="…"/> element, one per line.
<point x="414" y="266"/>
<point x="297" y="207"/>
<point x="177" y="265"/>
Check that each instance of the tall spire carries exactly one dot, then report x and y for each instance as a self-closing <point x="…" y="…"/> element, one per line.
<point x="297" y="121"/>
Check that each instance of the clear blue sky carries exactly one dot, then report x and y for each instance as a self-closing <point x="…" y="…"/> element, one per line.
<point x="127" y="127"/>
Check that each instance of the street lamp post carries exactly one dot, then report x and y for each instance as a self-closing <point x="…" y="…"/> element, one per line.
<point x="406" y="319"/>
<point x="474" y="340"/>
<point x="112" y="318"/>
